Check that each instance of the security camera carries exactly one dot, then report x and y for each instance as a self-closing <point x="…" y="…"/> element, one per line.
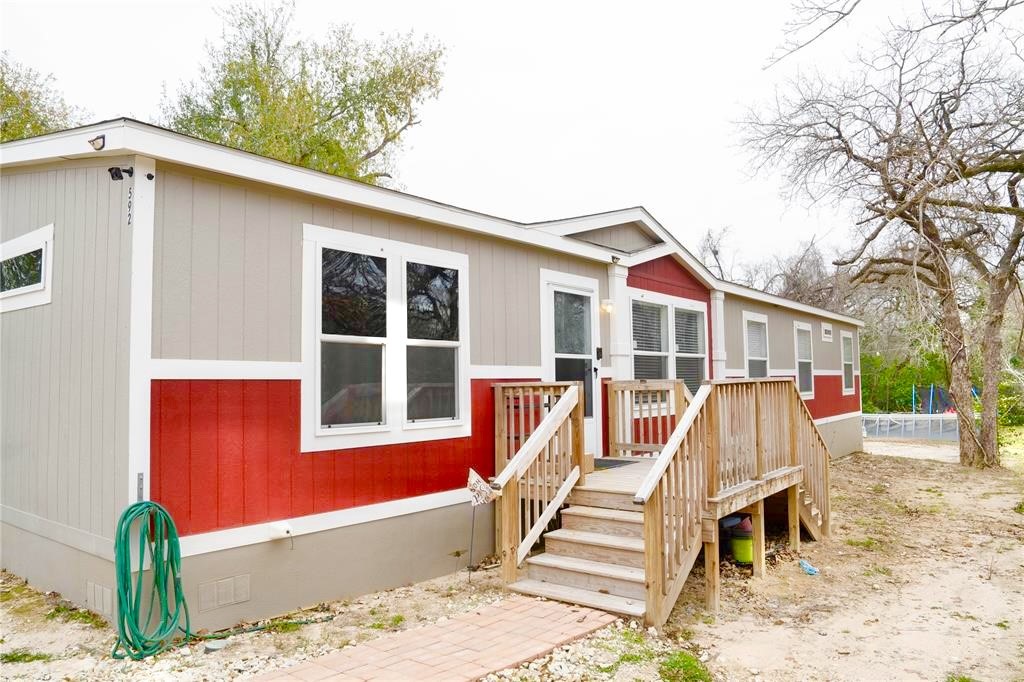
<point x="98" y="142"/>
<point x="119" y="173"/>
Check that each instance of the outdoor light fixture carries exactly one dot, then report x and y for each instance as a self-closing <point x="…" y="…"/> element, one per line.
<point x="607" y="305"/>
<point x="119" y="173"/>
<point x="98" y="142"/>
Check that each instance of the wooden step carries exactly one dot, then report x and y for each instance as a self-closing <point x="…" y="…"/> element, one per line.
<point x="612" y="549"/>
<point x="597" y="576"/>
<point x="606" y="602"/>
<point x="606" y="499"/>
<point x="600" y="520"/>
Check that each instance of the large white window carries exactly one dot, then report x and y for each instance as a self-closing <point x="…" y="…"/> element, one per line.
<point x="389" y="358"/>
<point x="669" y="338"/>
<point x="804" y="352"/>
<point x="26" y="270"/>
<point x="755" y="344"/>
<point x="849" y="387"/>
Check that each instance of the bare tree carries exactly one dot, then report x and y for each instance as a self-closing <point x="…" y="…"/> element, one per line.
<point x="928" y="143"/>
<point x="813" y="19"/>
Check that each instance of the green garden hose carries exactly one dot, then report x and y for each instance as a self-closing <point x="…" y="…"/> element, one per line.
<point x="165" y="607"/>
<point x="158" y="540"/>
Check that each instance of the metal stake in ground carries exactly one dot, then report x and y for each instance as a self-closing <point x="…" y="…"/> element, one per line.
<point x="480" y="493"/>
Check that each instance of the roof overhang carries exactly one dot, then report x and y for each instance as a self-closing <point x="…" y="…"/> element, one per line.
<point x="127" y="136"/>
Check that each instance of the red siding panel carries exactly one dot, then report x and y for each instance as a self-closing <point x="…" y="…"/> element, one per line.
<point x="225" y="453"/>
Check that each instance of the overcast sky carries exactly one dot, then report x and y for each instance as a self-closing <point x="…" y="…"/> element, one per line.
<point x="549" y="109"/>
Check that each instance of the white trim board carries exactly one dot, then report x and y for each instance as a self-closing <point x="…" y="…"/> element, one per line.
<point x="505" y="371"/>
<point x="838" y="417"/>
<point x="231" y="538"/>
<point x="164" y="368"/>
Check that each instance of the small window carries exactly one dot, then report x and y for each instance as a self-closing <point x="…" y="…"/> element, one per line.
<point x="25" y="271"/>
<point x="849" y="387"/>
<point x="756" y="345"/>
<point x="804" y="359"/>
<point x="650" y="341"/>
<point x="826" y="332"/>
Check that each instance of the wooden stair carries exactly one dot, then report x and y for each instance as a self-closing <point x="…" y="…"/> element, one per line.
<point x="810" y="515"/>
<point x="596" y="558"/>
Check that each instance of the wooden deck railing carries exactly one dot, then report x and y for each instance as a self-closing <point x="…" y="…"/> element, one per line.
<point x="732" y="436"/>
<point x="536" y="481"/>
<point x="674" y="497"/>
<point x="518" y="409"/>
<point x="643" y="414"/>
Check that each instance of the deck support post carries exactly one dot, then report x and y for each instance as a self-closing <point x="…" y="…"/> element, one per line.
<point x="711" y="577"/>
<point x="793" y="505"/>
<point x="579" y="457"/>
<point x="757" y="520"/>
<point x="654" y="568"/>
<point x="509" y="505"/>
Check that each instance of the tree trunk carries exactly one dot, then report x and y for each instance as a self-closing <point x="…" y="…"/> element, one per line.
<point x="992" y="373"/>
<point x="952" y="333"/>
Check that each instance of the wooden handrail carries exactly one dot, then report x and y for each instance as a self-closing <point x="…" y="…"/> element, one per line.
<point x="664" y="458"/>
<point x="518" y="465"/>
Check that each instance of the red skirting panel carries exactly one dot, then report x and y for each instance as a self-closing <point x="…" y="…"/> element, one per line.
<point x="225" y="453"/>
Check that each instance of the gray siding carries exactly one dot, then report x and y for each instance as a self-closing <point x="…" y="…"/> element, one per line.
<point x="781" y="354"/>
<point x="228" y="272"/>
<point x="629" y="237"/>
<point x="64" y="365"/>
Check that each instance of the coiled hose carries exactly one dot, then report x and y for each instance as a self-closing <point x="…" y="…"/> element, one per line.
<point x="165" y="607"/>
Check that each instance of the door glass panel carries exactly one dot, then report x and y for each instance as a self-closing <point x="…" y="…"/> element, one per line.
<point x="572" y="323"/>
<point x="578" y="369"/>
<point x="351" y="384"/>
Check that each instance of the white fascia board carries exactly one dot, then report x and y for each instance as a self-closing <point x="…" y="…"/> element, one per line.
<point x="125" y="136"/>
<point x="565" y="227"/>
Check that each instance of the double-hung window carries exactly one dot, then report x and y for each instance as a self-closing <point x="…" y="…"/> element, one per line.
<point x="849" y="388"/>
<point x="391" y="354"/>
<point x="690" y="350"/>
<point x="25" y="270"/>
<point x="755" y="342"/>
<point x="656" y="320"/>
<point x="804" y="353"/>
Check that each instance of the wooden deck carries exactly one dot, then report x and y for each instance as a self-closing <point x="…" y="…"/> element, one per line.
<point x="624" y="479"/>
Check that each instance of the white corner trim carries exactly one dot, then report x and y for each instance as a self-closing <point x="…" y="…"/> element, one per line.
<point x="838" y="417"/>
<point x="505" y="372"/>
<point x="76" y="538"/>
<point x="140" y="326"/>
<point x="223" y="369"/>
<point x="215" y="541"/>
<point x="33" y="294"/>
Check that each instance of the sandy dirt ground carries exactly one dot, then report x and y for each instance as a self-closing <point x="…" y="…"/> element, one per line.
<point x="938" y="450"/>
<point x="923" y="578"/>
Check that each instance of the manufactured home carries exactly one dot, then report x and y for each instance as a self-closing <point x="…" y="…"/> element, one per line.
<point x="303" y="369"/>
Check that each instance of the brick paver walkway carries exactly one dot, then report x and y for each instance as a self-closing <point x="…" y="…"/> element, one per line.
<point x="466" y="647"/>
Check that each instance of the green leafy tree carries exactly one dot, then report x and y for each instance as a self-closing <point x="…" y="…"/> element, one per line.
<point x="29" y="105"/>
<point x="338" y="105"/>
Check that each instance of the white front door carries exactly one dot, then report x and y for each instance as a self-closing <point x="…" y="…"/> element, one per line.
<point x="570" y="331"/>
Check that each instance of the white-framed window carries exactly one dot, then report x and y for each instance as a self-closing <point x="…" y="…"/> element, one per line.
<point x="26" y="270"/>
<point x="385" y="341"/>
<point x="669" y="337"/>
<point x="826" y="332"/>
<point x="755" y="344"/>
<point x="846" y="339"/>
<point x="804" y="355"/>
